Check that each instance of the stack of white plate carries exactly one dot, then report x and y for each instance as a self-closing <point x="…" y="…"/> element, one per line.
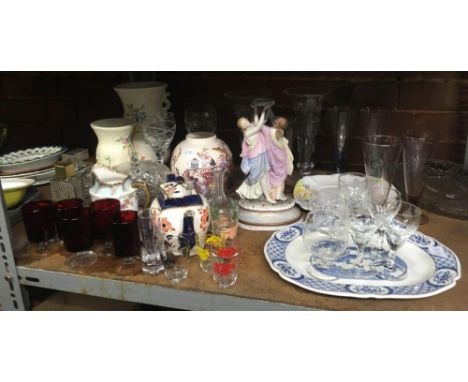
<point x="36" y="163"/>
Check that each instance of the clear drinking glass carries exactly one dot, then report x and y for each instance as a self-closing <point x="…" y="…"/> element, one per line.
<point x="416" y="152"/>
<point x="353" y="188"/>
<point x="176" y="257"/>
<point x="78" y="238"/>
<point x="39" y="223"/>
<point x="326" y="229"/>
<point x="159" y="133"/>
<point x="225" y="263"/>
<point x="341" y="123"/>
<point x="307" y="105"/>
<point x="201" y="118"/>
<point x="151" y="239"/>
<point x="126" y="240"/>
<point x="400" y="228"/>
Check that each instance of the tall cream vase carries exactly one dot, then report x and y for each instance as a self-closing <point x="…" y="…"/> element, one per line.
<point x="141" y="99"/>
<point x="114" y="141"/>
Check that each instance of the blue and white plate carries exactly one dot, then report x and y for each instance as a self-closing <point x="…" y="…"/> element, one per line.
<point x="432" y="268"/>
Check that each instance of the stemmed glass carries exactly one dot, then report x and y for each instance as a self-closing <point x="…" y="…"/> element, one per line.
<point x="201" y="118"/>
<point x="362" y="225"/>
<point x="78" y="237"/>
<point x="416" y="152"/>
<point x="103" y="211"/>
<point x="384" y="205"/>
<point x="126" y="241"/>
<point x="151" y="239"/>
<point x="341" y="123"/>
<point x="400" y="228"/>
<point x="381" y="155"/>
<point x="159" y="133"/>
<point x="63" y="207"/>
<point x="39" y="223"/>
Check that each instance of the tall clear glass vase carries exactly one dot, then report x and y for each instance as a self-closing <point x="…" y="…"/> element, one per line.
<point x="307" y="106"/>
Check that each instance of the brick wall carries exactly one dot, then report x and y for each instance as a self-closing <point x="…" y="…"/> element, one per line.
<point x="57" y="107"/>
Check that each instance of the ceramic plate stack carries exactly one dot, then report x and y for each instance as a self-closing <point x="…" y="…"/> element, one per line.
<point x="36" y="163"/>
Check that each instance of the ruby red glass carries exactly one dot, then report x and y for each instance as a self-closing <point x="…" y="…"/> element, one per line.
<point x="39" y="222"/>
<point x="62" y="208"/>
<point x="103" y="211"/>
<point x="126" y="240"/>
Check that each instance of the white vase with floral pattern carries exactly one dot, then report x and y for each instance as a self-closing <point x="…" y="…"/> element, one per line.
<point x="114" y="141"/>
<point x="196" y="157"/>
<point x="139" y="100"/>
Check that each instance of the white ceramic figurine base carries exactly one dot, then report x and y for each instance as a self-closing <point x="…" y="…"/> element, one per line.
<point x="258" y="213"/>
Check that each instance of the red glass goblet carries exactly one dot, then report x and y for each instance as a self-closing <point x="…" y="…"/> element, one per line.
<point x="103" y="211"/>
<point x="126" y="240"/>
<point x="78" y="238"/>
<point x="63" y="207"/>
<point x="39" y="223"/>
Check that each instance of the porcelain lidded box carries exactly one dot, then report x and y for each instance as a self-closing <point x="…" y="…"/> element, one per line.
<point x="174" y="201"/>
<point x="196" y="157"/>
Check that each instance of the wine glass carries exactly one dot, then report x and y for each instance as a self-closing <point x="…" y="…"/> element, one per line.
<point x="384" y="205"/>
<point x="400" y="228"/>
<point x="201" y="118"/>
<point x="159" y="133"/>
<point x="39" y="223"/>
<point x="151" y="239"/>
<point x="78" y="238"/>
<point x="103" y="211"/>
<point x="63" y="207"/>
<point x="126" y="239"/>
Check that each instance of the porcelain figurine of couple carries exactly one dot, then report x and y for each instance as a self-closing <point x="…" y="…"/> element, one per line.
<point x="266" y="157"/>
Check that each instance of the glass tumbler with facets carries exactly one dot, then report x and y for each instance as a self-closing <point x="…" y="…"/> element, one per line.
<point x="176" y="258"/>
<point x="151" y="241"/>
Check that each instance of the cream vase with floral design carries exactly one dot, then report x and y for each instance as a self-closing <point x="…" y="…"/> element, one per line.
<point x="114" y="141"/>
<point x="139" y="100"/>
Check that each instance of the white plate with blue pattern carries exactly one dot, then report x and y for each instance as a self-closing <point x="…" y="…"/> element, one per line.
<point x="432" y="268"/>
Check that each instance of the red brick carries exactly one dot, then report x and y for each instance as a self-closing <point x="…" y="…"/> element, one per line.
<point x="448" y="127"/>
<point x="375" y="94"/>
<point x="92" y="86"/>
<point x="89" y="111"/>
<point x="23" y="111"/>
<point x="28" y="85"/>
<point x="429" y="95"/>
<point x="61" y="111"/>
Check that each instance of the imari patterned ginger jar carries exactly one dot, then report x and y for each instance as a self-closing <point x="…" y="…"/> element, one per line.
<point x="114" y="141"/>
<point x="196" y="157"/>
<point x="176" y="200"/>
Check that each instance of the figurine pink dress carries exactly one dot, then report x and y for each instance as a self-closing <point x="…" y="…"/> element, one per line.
<point x="280" y="160"/>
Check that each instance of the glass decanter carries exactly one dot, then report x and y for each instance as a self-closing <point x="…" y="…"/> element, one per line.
<point x="224" y="210"/>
